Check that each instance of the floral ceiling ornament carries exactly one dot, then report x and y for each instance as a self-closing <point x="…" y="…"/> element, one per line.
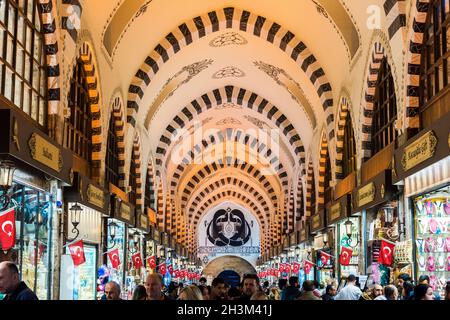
<point x="229" y="105"/>
<point x="227" y="39"/>
<point x="228" y="72"/>
<point x="260" y="124"/>
<point x="228" y="121"/>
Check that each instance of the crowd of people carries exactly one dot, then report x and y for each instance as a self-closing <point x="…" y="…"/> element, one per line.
<point x="250" y="288"/>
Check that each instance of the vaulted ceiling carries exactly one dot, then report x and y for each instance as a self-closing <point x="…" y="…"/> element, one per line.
<point x="225" y="70"/>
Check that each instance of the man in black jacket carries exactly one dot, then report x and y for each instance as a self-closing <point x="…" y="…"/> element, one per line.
<point x="11" y="285"/>
<point x="292" y="291"/>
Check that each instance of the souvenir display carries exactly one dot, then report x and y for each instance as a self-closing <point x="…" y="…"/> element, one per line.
<point x="432" y="241"/>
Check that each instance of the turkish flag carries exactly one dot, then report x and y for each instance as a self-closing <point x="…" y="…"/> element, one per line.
<point x="114" y="258"/>
<point x="281" y="267"/>
<point x="287" y="267"/>
<point x="183" y="274"/>
<point x="170" y="269"/>
<point x="296" y="267"/>
<point x="307" y="266"/>
<point x="151" y="261"/>
<point x="386" y="256"/>
<point x="162" y="268"/>
<point x="346" y="254"/>
<point x="176" y="273"/>
<point x="137" y="260"/>
<point x="7" y="229"/>
<point x="325" y="258"/>
<point x="77" y="252"/>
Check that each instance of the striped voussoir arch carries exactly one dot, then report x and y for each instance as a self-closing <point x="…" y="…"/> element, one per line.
<point x="47" y="10"/>
<point x="414" y="63"/>
<point x="239" y="96"/>
<point x="310" y="189"/>
<point x="207" y="171"/>
<point x="71" y="17"/>
<point x="291" y="217"/>
<point x="160" y="209"/>
<point x="235" y="136"/>
<point x="378" y="53"/>
<point x="170" y="215"/>
<point x="136" y="158"/>
<point x="86" y="56"/>
<point x="119" y="128"/>
<point x="150" y="186"/>
<point x="395" y="11"/>
<point x="324" y="155"/>
<point x="224" y="183"/>
<point x="238" y="19"/>
<point x="343" y="112"/>
<point x="299" y="210"/>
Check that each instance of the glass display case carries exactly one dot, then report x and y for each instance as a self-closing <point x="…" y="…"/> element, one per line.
<point x="432" y="237"/>
<point x="118" y="242"/>
<point x="345" y="241"/>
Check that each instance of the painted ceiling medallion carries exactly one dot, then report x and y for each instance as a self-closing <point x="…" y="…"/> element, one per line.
<point x="260" y="124"/>
<point x="228" y="72"/>
<point x="227" y="39"/>
<point x="229" y="105"/>
<point x="282" y="78"/>
<point x="228" y="121"/>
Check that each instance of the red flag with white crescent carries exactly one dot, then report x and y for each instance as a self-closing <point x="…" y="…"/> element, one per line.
<point x="114" y="258"/>
<point x="77" y="252"/>
<point x="287" y="267"/>
<point x="281" y="267"/>
<point x="170" y="269"/>
<point x="7" y="229"/>
<point x="307" y="266"/>
<point x="324" y="258"/>
<point x="346" y="254"/>
<point x="162" y="268"/>
<point x="137" y="260"/>
<point x="176" y="272"/>
<point x="151" y="261"/>
<point x="296" y="267"/>
<point x="386" y="256"/>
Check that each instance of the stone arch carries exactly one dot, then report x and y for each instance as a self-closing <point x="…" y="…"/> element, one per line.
<point x="117" y="114"/>
<point x="231" y="95"/>
<point x="395" y="11"/>
<point x="150" y="185"/>
<point x="234" y="263"/>
<point x="310" y="188"/>
<point x="136" y="158"/>
<point x="299" y="203"/>
<point x="222" y="19"/>
<point x="413" y="59"/>
<point x="324" y="154"/>
<point x="378" y="54"/>
<point x="345" y="108"/>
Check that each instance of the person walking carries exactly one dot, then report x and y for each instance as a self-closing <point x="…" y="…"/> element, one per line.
<point x="191" y="292"/>
<point x="218" y="289"/>
<point x="11" y="286"/>
<point x="330" y="293"/>
<point x="350" y="291"/>
<point x="308" y="288"/>
<point x="292" y="291"/>
<point x="447" y="291"/>
<point x="153" y="285"/>
<point x="250" y="284"/>
<point x="390" y="293"/>
<point x="372" y="293"/>
<point x="112" y="291"/>
<point x="139" y="293"/>
<point x="423" y="292"/>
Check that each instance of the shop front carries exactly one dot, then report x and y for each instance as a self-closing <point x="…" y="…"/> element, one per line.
<point x="86" y="204"/>
<point x="304" y="254"/>
<point x="31" y="165"/>
<point x="347" y="234"/>
<point x="423" y="165"/>
<point x="117" y="255"/>
<point x="377" y="204"/>
<point x="323" y="255"/>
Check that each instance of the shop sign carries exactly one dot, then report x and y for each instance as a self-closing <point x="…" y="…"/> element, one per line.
<point x="156" y="236"/>
<point x="302" y="235"/>
<point x="143" y="221"/>
<point x="335" y="211"/>
<point x="419" y="151"/>
<point x="316" y="222"/>
<point x="151" y="215"/>
<point x="166" y="239"/>
<point x="293" y="238"/>
<point x="45" y="152"/>
<point x="366" y="194"/>
<point x="95" y="196"/>
<point x="125" y="211"/>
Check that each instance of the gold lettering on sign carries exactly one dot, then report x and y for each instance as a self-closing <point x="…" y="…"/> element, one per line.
<point x="419" y="151"/>
<point x="95" y="196"/>
<point x="366" y="194"/>
<point x="144" y="221"/>
<point x="125" y="211"/>
<point x="316" y="221"/>
<point x="45" y="152"/>
<point x="335" y="211"/>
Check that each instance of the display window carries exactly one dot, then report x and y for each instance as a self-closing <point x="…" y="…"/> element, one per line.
<point x="133" y="276"/>
<point x="344" y="240"/>
<point x="31" y="253"/>
<point x="432" y="241"/>
<point x="85" y="275"/>
<point x="118" y="242"/>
